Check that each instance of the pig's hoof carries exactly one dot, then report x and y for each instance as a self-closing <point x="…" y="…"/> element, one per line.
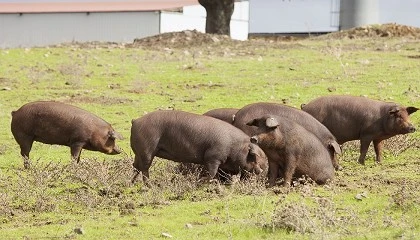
<point x="204" y="180"/>
<point x="214" y="181"/>
<point x="338" y="168"/>
<point x="27" y="165"/>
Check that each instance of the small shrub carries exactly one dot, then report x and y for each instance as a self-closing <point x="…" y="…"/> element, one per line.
<point x="35" y="187"/>
<point x="404" y="197"/>
<point x="294" y="217"/>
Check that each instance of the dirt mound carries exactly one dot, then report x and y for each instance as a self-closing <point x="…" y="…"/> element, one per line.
<point x="375" y="31"/>
<point x="183" y="39"/>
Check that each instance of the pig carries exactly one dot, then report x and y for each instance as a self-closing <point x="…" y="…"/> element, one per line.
<point x="58" y="123"/>
<point x="292" y="149"/>
<point x="224" y="114"/>
<point x="192" y="138"/>
<point x="360" y="118"/>
<point x="255" y="110"/>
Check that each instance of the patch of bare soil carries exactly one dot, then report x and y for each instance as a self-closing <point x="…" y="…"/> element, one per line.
<point x="90" y="45"/>
<point x="183" y="39"/>
<point x="105" y="100"/>
<point x="193" y="39"/>
<point x="375" y="31"/>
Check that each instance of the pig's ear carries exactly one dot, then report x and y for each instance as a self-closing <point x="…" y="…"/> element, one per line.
<point x="115" y="135"/>
<point x="411" y="110"/>
<point x="252" y="122"/>
<point x="394" y="110"/>
<point x="271" y="122"/>
<point x="334" y="145"/>
<point x="253" y="150"/>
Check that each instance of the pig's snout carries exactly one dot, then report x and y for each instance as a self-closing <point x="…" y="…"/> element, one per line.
<point x="116" y="150"/>
<point x="258" y="170"/>
<point x="411" y="129"/>
<point x="408" y="128"/>
<point x="254" y="139"/>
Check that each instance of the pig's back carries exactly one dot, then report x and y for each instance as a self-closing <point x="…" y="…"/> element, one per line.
<point x="225" y="114"/>
<point x="54" y="122"/>
<point x="346" y="116"/>
<point x="53" y="111"/>
<point x="184" y="137"/>
<point x="256" y="110"/>
<point x="187" y="127"/>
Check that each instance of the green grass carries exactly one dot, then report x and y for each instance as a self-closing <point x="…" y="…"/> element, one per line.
<point x="120" y="84"/>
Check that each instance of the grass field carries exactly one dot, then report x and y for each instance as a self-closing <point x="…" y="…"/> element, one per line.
<point x="95" y="200"/>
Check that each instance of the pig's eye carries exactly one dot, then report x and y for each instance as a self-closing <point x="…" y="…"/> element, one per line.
<point x="111" y="135"/>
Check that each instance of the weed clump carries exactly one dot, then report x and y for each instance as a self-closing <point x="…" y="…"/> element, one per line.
<point x="311" y="216"/>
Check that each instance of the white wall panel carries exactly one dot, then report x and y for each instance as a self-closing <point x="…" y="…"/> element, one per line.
<point x="28" y="30"/>
<point x="293" y="16"/>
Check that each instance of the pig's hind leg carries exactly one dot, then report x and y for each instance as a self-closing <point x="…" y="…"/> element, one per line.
<point x="142" y="163"/>
<point x="25" y="143"/>
<point x="75" y="150"/>
<point x="211" y="163"/>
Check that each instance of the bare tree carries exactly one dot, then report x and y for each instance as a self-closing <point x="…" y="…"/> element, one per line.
<point x="219" y="13"/>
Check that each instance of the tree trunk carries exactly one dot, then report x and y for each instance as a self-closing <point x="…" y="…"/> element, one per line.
<point x="219" y="13"/>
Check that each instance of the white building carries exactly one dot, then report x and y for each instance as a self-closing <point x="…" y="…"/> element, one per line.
<point x="29" y="23"/>
<point x="323" y="16"/>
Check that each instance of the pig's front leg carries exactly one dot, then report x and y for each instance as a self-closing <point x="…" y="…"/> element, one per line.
<point x="377" y="144"/>
<point x="364" y="146"/>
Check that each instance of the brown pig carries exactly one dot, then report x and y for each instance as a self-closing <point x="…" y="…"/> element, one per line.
<point x="256" y="110"/>
<point x="191" y="138"/>
<point x="360" y="118"/>
<point x="62" y="124"/>
<point x="224" y="114"/>
<point x="292" y="149"/>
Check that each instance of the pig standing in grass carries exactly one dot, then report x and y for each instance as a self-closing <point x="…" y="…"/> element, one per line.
<point x="224" y="114"/>
<point x="256" y="110"/>
<point x="193" y="138"/>
<point x="291" y="149"/>
<point x="359" y="118"/>
<point x="58" y="123"/>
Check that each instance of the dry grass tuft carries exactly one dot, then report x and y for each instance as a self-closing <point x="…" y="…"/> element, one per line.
<point x="400" y="143"/>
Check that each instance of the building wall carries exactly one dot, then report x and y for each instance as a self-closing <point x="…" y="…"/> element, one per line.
<point x="293" y="16"/>
<point x="42" y="29"/>
<point x="406" y="12"/>
<point x="303" y="16"/>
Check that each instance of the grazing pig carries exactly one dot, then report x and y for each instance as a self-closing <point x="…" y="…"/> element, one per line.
<point x="359" y="118"/>
<point x="292" y="149"/>
<point x="256" y="110"/>
<point x="224" y="114"/>
<point x="58" y="123"/>
<point x="192" y="138"/>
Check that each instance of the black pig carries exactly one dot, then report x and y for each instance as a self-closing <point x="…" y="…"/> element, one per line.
<point x="292" y="149"/>
<point x="359" y="118"/>
<point x="58" y="123"/>
<point x="256" y="110"/>
<point x="192" y="138"/>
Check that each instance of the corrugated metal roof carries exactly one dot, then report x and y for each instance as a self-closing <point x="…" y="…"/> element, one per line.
<point x="91" y="6"/>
